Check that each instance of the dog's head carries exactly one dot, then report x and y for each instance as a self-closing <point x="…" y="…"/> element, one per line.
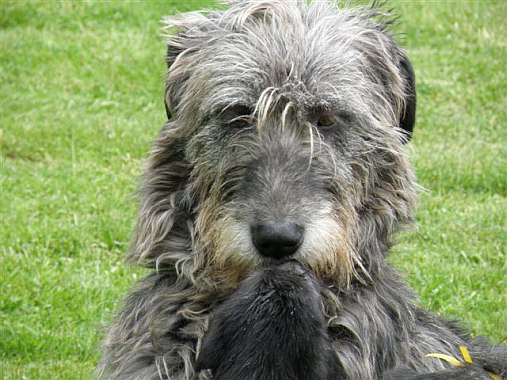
<point x="285" y="139"/>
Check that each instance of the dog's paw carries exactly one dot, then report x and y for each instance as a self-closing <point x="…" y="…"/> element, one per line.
<point x="272" y="327"/>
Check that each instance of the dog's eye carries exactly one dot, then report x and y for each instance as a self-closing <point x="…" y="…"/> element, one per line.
<point x="237" y="116"/>
<point x="326" y="121"/>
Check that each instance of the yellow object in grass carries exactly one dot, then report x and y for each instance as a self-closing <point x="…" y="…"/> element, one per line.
<point x="456" y="363"/>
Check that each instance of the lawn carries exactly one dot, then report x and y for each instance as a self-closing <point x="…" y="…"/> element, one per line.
<point x="81" y="99"/>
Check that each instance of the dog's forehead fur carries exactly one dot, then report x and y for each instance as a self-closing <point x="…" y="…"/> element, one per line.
<point x="316" y="55"/>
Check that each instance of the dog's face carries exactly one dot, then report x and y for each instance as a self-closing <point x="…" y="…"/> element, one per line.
<point x="285" y="140"/>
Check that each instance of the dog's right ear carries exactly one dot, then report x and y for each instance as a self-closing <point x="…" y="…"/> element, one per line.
<point x="164" y="224"/>
<point x="164" y="228"/>
<point x="172" y="54"/>
<point x="186" y="34"/>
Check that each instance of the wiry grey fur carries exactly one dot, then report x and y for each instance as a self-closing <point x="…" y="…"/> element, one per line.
<point x="214" y="171"/>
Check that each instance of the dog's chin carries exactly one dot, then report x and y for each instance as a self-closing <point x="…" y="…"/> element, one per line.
<point x="229" y="272"/>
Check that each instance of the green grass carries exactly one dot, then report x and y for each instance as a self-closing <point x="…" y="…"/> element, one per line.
<point x="82" y="87"/>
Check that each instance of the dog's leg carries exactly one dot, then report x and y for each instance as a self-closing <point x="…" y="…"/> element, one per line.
<point x="151" y="339"/>
<point x="272" y="327"/>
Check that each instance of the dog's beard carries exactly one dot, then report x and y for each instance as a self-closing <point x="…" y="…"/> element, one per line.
<point x="328" y="249"/>
<point x="271" y="327"/>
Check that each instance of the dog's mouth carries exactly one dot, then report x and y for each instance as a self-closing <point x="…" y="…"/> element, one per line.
<point x="286" y="264"/>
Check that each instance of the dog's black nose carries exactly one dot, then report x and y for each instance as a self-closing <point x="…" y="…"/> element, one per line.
<point x="277" y="239"/>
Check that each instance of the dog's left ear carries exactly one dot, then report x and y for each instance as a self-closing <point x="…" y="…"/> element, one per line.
<point x="407" y="116"/>
<point x="396" y="72"/>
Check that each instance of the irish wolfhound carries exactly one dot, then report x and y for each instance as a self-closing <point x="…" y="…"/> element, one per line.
<point x="270" y="202"/>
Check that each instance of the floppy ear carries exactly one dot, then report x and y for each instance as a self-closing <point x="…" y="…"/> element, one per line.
<point x="395" y="69"/>
<point x="164" y="223"/>
<point x="164" y="228"/>
<point x="172" y="53"/>
<point x="186" y="33"/>
<point x="407" y="117"/>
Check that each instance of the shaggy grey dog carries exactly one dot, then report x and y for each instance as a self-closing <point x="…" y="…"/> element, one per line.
<point x="270" y="201"/>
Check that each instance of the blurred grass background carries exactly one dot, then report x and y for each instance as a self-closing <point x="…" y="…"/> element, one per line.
<point x="81" y="99"/>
